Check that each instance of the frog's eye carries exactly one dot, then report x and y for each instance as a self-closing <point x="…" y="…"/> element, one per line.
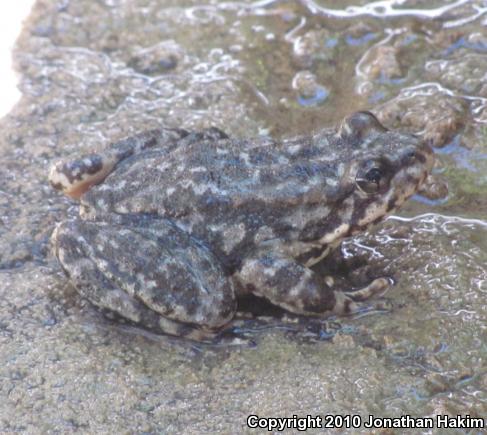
<point x="372" y="177"/>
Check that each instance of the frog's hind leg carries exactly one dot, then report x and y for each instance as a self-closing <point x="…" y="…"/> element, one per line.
<point x="75" y="177"/>
<point x="156" y="275"/>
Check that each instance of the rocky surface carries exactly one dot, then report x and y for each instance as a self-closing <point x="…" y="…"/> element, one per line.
<point x="93" y="72"/>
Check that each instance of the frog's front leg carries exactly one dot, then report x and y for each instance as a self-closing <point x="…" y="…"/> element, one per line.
<point x="148" y="271"/>
<point x="298" y="289"/>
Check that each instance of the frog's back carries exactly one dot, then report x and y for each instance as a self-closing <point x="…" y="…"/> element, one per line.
<point x="230" y="194"/>
<point x="208" y="178"/>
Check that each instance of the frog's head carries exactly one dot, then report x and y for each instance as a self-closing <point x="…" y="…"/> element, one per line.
<point x="382" y="169"/>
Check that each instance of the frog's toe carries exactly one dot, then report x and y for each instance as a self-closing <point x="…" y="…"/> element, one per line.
<point x="346" y="306"/>
<point x="376" y="287"/>
<point x="190" y="332"/>
<point x="351" y="302"/>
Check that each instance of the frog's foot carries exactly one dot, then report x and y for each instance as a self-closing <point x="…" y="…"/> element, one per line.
<point x="190" y="332"/>
<point x="376" y="287"/>
<point x="156" y="276"/>
<point x="75" y="177"/>
<point x="351" y="302"/>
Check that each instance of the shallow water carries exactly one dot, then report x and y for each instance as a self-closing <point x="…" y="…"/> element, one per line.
<point x="92" y="72"/>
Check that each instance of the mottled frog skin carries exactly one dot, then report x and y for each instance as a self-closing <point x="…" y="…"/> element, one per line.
<point x="175" y="225"/>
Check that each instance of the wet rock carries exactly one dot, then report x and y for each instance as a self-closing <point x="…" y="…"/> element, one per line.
<point x="426" y="111"/>
<point x="437" y="383"/>
<point x="478" y="39"/>
<point x="16" y="256"/>
<point x="359" y="30"/>
<point x="445" y="38"/>
<point x="344" y="341"/>
<point x="157" y="59"/>
<point x="453" y="40"/>
<point x="382" y="62"/>
<point x="304" y="83"/>
<point x="309" y="91"/>
<point x="434" y="188"/>
<point x="475" y="136"/>
<point x="467" y="74"/>
<point x="312" y="46"/>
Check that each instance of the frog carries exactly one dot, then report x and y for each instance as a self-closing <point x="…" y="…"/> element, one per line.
<point x="176" y="226"/>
